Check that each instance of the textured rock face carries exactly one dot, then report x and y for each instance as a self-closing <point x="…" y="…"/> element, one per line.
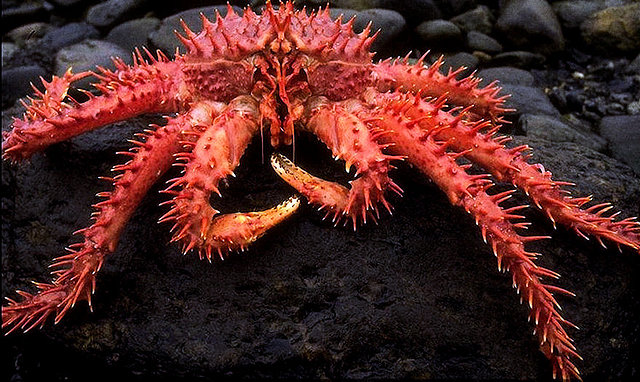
<point x="623" y="134"/>
<point x="416" y="296"/>
<point x="531" y="23"/>
<point x="614" y="28"/>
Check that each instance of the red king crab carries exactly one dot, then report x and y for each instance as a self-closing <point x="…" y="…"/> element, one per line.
<point x="272" y="74"/>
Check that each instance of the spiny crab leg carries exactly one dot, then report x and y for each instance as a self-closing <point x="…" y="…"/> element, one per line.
<point x="54" y="116"/>
<point x="348" y="138"/>
<point x="217" y="144"/>
<point x="74" y="273"/>
<point x="469" y="192"/>
<point x="480" y="143"/>
<point x="429" y="82"/>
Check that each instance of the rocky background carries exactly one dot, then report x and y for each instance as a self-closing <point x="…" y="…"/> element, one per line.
<point x="417" y="296"/>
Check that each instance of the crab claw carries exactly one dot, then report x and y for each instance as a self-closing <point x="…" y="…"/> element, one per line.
<point x="238" y="230"/>
<point x="318" y="191"/>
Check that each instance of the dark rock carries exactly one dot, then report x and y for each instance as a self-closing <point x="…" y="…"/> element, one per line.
<point x="455" y="7"/>
<point x="86" y="56"/>
<point x="575" y="100"/>
<point x="357" y="5"/>
<point x="346" y="13"/>
<point x="596" y="105"/>
<point x="615" y="109"/>
<point x="68" y="35"/>
<point x="634" y="66"/>
<point x="518" y="59"/>
<point x="554" y="130"/>
<point x="111" y="12"/>
<point x="623" y="134"/>
<point x="558" y="97"/>
<point x="16" y="81"/>
<point x="458" y="60"/>
<point x="528" y="100"/>
<point x="440" y="33"/>
<point x="530" y="23"/>
<point x="395" y="301"/>
<point x="621" y="85"/>
<point x="624" y="98"/>
<point x="479" y="19"/>
<point x="483" y="58"/>
<point x="390" y="23"/>
<point x="69" y="3"/>
<point x="615" y="28"/>
<point x="108" y="140"/>
<point x="414" y="11"/>
<point x="506" y="75"/>
<point x="134" y="33"/>
<point x="482" y="42"/>
<point x="23" y="13"/>
<point x="572" y="13"/>
<point x="8" y="49"/>
<point x="25" y="34"/>
<point x="164" y="37"/>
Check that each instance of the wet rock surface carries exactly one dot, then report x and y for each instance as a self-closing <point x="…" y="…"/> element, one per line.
<point x="532" y="23"/>
<point x="614" y="28"/>
<point x="622" y="132"/>
<point x="415" y="297"/>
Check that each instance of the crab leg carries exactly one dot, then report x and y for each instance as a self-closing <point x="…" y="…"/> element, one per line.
<point x="218" y="145"/>
<point x="54" y="116"/>
<point x="74" y="273"/>
<point x="469" y="192"/>
<point x="510" y="165"/>
<point x="429" y="82"/>
<point x="348" y="138"/>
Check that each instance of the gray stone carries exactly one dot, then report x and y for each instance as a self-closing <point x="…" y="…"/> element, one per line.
<point x="16" y="82"/>
<point x="615" y="28"/>
<point x="111" y="12"/>
<point x="623" y="134"/>
<point x="518" y="59"/>
<point x="634" y="66"/>
<point x="506" y="75"/>
<point x="571" y="13"/>
<point x="528" y="100"/>
<point x="86" y="56"/>
<point x="108" y="139"/>
<point x="482" y="42"/>
<point x="25" y="34"/>
<point x="415" y="10"/>
<point x="346" y="13"/>
<point x="530" y="23"/>
<point x="24" y="12"/>
<point x="68" y="35"/>
<point x="633" y="108"/>
<point x="357" y="5"/>
<point x="455" y="7"/>
<point x="390" y="23"/>
<point x="68" y="3"/>
<point x="439" y="33"/>
<point x="134" y="33"/>
<point x="164" y="37"/>
<point x="8" y="49"/>
<point x="458" y="60"/>
<point x="553" y="129"/>
<point x="479" y="19"/>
